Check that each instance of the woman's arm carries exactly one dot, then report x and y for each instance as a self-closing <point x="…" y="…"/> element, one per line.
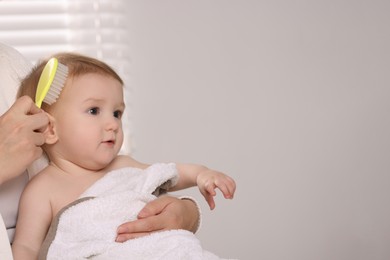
<point x="164" y="213"/>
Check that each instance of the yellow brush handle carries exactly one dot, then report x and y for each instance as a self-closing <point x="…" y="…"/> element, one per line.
<point x="45" y="81"/>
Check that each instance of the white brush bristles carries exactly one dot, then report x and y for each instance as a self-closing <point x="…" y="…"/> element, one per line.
<point x="57" y="84"/>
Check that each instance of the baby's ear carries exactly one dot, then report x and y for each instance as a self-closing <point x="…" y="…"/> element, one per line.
<point x="50" y="132"/>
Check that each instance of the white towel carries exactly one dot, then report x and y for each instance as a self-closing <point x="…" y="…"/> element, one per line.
<point x="87" y="229"/>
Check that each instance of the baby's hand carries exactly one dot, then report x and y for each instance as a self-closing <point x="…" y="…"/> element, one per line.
<point x="208" y="180"/>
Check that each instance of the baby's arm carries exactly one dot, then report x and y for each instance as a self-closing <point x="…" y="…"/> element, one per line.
<point x="33" y="222"/>
<point x="207" y="181"/>
<point x="191" y="175"/>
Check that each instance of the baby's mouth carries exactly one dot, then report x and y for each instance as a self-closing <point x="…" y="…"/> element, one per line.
<point x="112" y="142"/>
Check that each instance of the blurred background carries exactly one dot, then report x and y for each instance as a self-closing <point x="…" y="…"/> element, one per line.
<point x="290" y="98"/>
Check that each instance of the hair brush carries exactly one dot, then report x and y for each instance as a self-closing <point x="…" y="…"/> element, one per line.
<point x="51" y="82"/>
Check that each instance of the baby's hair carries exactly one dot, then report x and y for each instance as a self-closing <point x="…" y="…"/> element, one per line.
<point x="77" y="64"/>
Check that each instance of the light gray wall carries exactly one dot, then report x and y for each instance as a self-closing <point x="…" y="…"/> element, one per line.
<point x="291" y="98"/>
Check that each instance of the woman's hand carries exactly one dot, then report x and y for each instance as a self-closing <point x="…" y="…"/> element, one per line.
<point x="164" y="213"/>
<point x="20" y="137"/>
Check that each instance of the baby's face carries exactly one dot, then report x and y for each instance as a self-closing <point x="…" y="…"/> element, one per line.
<point x="88" y="120"/>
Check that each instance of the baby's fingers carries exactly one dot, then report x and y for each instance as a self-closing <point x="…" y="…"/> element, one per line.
<point x="208" y="193"/>
<point x="210" y="188"/>
<point x="225" y="191"/>
<point x="210" y="200"/>
<point x="227" y="187"/>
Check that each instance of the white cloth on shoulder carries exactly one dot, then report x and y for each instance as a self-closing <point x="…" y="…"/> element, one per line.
<point x="87" y="228"/>
<point x="14" y="67"/>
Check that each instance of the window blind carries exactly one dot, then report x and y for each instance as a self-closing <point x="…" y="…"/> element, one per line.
<point x="97" y="28"/>
<point x="93" y="27"/>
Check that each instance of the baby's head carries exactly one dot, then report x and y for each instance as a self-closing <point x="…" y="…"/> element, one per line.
<point x="77" y="64"/>
<point x="85" y="121"/>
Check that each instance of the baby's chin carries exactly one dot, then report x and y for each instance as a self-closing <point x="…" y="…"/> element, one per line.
<point x="98" y="165"/>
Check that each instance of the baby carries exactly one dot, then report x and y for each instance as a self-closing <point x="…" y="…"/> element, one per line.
<point x="85" y="171"/>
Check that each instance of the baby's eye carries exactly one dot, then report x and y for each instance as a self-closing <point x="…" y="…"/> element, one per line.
<point x="94" y="111"/>
<point x="118" y="114"/>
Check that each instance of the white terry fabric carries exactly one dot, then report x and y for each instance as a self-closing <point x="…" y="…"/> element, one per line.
<point x="88" y="229"/>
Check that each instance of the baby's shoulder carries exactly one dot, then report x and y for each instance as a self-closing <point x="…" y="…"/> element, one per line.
<point x="38" y="189"/>
<point x="43" y="179"/>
